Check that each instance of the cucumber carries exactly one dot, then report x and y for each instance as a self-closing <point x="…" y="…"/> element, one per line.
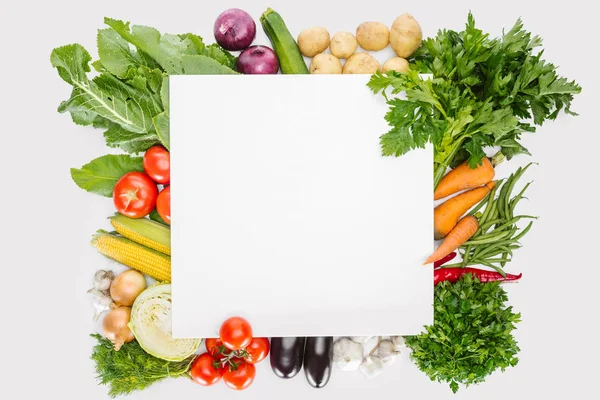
<point x="286" y="48"/>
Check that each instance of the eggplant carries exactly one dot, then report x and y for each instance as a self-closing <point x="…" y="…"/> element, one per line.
<point x="286" y="356"/>
<point x="318" y="360"/>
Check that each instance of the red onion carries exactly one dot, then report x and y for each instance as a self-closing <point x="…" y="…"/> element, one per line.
<point x="234" y="29"/>
<point x="258" y="60"/>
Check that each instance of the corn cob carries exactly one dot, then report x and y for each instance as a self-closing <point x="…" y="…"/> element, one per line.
<point x="150" y="262"/>
<point x="144" y="231"/>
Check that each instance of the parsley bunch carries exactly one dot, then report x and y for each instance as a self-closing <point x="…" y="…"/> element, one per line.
<point x="471" y="335"/>
<point x="131" y="368"/>
<point x="484" y="92"/>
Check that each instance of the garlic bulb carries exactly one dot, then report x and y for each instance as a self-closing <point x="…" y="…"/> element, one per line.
<point x="101" y="301"/>
<point x="371" y="366"/>
<point x="387" y="352"/>
<point x="362" y="339"/>
<point x="399" y="342"/>
<point x="347" y="354"/>
<point x="103" y="279"/>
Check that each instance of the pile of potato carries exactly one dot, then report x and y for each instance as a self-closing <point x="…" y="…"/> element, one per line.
<point x="404" y="36"/>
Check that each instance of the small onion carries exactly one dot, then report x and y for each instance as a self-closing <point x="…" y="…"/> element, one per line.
<point x="258" y="60"/>
<point x="115" y="326"/>
<point x="126" y="287"/>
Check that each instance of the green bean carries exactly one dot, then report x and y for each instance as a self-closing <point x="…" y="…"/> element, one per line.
<point x="489" y="224"/>
<point x="466" y="255"/>
<point x="502" y="197"/>
<point x="513" y="221"/>
<point x="488" y="205"/>
<point x="479" y="205"/>
<point x="488" y="238"/>
<point x="523" y="232"/>
<point x="519" y="196"/>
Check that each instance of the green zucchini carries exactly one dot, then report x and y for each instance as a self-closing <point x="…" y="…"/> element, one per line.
<point x="286" y="48"/>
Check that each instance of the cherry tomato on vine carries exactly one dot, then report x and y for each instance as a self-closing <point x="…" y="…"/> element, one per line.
<point x="157" y="164"/>
<point x="135" y="195"/>
<point x="204" y="372"/>
<point x="257" y="350"/>
<point x="163" y="204"/>
<point x="236" y="333"/>
<point x="212" y="345"/>
<point x="241" y="377"/>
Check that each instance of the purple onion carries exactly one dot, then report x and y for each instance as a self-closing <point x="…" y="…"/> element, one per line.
<point x="258" y="60"/>
<point x="234" y="29"/>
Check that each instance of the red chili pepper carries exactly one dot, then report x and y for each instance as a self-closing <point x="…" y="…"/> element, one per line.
<point x="454" y="274"/>
<point x="444" y="259"/>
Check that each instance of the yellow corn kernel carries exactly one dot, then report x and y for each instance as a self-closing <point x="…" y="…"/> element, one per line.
<point x="144" y="231"/>
<point x="150" y="262"/>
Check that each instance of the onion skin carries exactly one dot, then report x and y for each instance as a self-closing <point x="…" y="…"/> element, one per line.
<point x="126" y="287"/>
<point x="258" y="60"/>
<point x="234" y="29"/>
<point x="115" y="326"/>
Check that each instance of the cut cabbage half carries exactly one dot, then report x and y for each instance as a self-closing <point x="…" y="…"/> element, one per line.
<point x="151" y="325"/>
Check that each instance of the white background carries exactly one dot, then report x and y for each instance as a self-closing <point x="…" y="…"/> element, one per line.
<point x="47" y="222"/>
<point x="299" y="213"/>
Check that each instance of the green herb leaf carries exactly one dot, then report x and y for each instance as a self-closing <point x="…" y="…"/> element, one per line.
<point x="156" y="217"/>
<point x="471" y="336"/>
<point x="101" y="174"/>
<point x="483" y="91"/>
<point x="129" y="142"/>
<point x="131" y="368"/>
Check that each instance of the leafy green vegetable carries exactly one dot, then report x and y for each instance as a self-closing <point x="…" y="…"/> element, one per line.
<point x="131" y="368"/>
<point x="471" y="336"/>
<point x="483" y="93"/>
<point x="101" y="174"/>
<point x="129" y="97"/>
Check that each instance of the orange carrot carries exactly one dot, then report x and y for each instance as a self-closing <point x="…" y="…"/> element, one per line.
<point x="462" y="232"/>
<point x="464" y="177"/>
<point x="447" y="214"/>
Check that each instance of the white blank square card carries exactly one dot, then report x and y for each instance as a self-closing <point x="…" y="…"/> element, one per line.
<point x="285" y="212"/>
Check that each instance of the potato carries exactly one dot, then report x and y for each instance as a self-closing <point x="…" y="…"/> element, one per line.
<point x="325" y="64"/>
<point x="373" y="36"/>
<point x="361" y="63"/>
<point x="398" y="64"/>
<point x="313" y="41"/>
<point x="405" y="35"/>
<point x="343" y="44"/>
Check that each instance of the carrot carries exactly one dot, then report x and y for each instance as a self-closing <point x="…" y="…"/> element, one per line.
<point x="464" y="177"/>
<point x="447" y="214"/>
<point x="462" y="232"/>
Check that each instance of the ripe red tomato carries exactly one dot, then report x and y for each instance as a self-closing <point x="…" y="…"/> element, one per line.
<point x="241" y="377"/>
<point x="257" y="350"/>
<point x="157" y="164"/>
<point x="204" y="372"/>
<point x="135" y="195"/>
<point x="236" y="333"/>
<point x="212" y="345"/>
<point x="163" y="204"/>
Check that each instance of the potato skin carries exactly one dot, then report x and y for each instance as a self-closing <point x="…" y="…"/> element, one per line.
<point x="343" y="44"/>
<point x="361" y="63"/>
<point x="313" y="41"/>
<point x="325" y="64"/>
<point x="398" y="64"/>
<point x="405" y="35"/>
<point x="373" y="36"/>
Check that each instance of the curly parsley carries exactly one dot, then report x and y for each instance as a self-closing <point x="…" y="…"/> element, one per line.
<point x="484" y="92"/>
<point x="131" y="368"/>
<point x="471" y="335"/>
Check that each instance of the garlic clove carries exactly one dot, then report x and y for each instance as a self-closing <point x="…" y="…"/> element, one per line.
<point x="362" y="339"/>
<point x="387" y="352"/>
<point x="399" y="342"/>
<point x="347" y="354"/>
<point x="371" y="366"/>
